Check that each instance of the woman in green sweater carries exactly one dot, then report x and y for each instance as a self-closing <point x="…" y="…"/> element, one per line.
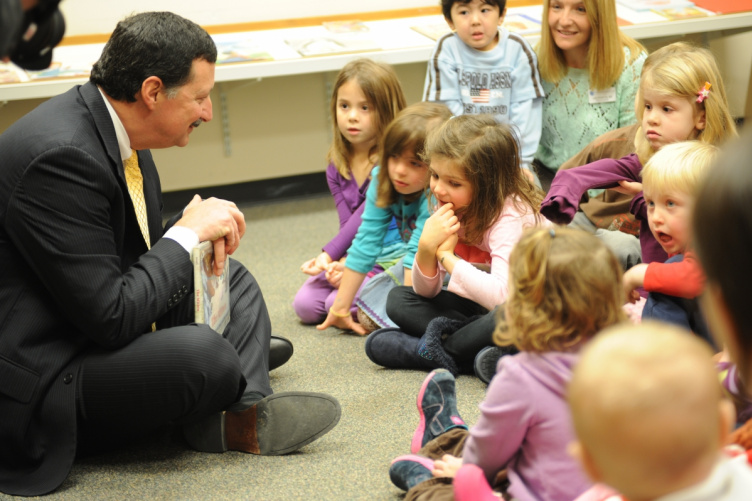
<point x="590" y="72"/>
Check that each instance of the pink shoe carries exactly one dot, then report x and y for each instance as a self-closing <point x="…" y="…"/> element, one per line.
<point x="470" y="484"/>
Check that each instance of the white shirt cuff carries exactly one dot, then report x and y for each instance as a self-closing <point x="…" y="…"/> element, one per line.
<point x="186" y="237"/>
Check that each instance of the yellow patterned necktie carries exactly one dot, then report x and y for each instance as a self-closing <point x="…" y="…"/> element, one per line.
<point x="135" y="182"/>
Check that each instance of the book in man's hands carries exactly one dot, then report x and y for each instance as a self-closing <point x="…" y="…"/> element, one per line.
<point x="212" y="292"/>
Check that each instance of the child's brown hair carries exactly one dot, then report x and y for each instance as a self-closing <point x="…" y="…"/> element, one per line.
<point x="407" y="132"/>
<point x="564" y="286"/>
<point x="488" y="155"/>
<point x="382" y="88"/>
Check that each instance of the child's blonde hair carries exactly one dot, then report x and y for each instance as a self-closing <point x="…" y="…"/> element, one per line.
<point x="564" y="286"/>
<point x="407" y="132"/>
<point x="382" y="89"/>
<point x="682" y="69"/>
<point x="488" y="155"/>
<point x="648" y="409"/>
<point x="605" y="60"/>
<point x="678" y="167"/>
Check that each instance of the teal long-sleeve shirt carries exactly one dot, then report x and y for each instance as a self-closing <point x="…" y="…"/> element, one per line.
<point x="367" y="246"/>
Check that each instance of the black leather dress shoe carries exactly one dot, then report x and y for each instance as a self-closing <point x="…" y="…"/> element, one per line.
<point x="278" y="424"/>
<point x="280" y="351"/>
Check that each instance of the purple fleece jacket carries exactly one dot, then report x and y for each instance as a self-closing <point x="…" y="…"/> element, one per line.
<point x="525" y="426"/>
<point x="568" y="187"/>
<point x="348" y="199"/>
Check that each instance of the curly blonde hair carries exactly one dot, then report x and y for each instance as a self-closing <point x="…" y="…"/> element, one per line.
<point x="564" y="287"/>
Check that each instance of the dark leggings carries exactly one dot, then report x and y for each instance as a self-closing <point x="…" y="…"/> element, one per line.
<point x="412" y="313"/>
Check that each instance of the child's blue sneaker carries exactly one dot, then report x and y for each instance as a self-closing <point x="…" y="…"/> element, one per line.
<point x="408" y="471"/>
<point x="437" y="406"/>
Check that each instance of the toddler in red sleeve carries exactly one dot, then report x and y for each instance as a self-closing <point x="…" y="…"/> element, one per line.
<point x="670" y="181"/>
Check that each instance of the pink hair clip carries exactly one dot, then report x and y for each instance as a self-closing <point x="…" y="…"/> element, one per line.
<point x="703" y="93"/>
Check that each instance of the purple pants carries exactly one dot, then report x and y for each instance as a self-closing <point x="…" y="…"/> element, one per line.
<point x="316" y="296"/>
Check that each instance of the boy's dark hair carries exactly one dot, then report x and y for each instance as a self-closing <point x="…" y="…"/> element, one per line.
<point x="446" y="5"/>
<point x="159" y="44"/>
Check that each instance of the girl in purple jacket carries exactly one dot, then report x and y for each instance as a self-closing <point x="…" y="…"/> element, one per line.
<point x="366" y="97"/>
<point x="565" y="286"/>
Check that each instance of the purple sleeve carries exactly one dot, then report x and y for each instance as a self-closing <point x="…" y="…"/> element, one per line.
<point x="568" y="186"/>
<point x="349" y="220"/>
<point x="505" y="417"/>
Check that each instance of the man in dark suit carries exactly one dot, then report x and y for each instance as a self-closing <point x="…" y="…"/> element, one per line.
<point x="83" y="280"/>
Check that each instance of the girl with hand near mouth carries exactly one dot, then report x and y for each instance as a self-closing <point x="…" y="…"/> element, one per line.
<point x="397" y="194"/>
<point x="366" y="97"/>
<point x="590" y="77"/>
<point x="681" y="97"/>
<point x="484" y="202"/>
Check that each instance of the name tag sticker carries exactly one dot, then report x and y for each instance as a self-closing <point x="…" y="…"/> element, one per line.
<point x="602" y="96"/>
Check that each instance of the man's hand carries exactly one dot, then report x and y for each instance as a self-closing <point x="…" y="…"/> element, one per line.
<point x="218" y="221"/>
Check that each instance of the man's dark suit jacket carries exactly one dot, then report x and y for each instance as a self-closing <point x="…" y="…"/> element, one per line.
<point x="76" y="275"/>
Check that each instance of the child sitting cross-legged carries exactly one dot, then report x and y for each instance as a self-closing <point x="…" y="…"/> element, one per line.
<point x="670" y="181"/>
<point x="651" y="419"/>
<point x="565" y="286"/>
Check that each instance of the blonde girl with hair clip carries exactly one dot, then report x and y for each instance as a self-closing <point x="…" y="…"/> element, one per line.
<point x="398" y="194"/>
<point x="564" y="287"/>
<point x="681" y="97"/>
<point x="366" y="97"/>
<point x="590" y="72"/>
<point x="482" y="203"/>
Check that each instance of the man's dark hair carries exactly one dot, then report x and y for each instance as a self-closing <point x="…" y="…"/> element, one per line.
<point x="446" y="5"/>
<point x="159" y="44"/>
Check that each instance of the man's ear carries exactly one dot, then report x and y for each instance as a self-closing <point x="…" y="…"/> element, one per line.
<point x="578" y="451"/>
<point x="150" y="89"/>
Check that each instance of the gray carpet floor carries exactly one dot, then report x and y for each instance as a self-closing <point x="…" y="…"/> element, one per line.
<point x="350" y="463"/>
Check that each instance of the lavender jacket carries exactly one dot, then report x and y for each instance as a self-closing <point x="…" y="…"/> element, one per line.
<point x="525" y="426"/>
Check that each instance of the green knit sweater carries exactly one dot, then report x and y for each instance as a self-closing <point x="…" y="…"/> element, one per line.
<point x="570" y="122"/>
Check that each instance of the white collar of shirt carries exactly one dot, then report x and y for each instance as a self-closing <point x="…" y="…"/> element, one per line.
<point x="124" y="142"/>
<point x="186" y="237"/>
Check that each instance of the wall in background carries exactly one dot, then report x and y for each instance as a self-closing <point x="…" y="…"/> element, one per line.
<point x="280" y="126"/>
<point x="85" y="17"/>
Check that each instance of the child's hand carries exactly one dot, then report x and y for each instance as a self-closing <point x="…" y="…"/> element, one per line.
<point x="447" y="466"/>
<point x="437" y="228"/>
<point x="344" y="322"/>
<point x="447" y="246"/>
<point x="334" y="272"/>
<point x="629" y="187"/>
<point x="316" y="265"/>
<point x="634" y="278"/>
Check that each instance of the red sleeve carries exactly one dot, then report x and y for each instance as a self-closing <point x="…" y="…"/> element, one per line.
<point x="681" y="279"/>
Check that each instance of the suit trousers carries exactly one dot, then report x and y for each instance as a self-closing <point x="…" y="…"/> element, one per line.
<point x="181" y="372"/>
